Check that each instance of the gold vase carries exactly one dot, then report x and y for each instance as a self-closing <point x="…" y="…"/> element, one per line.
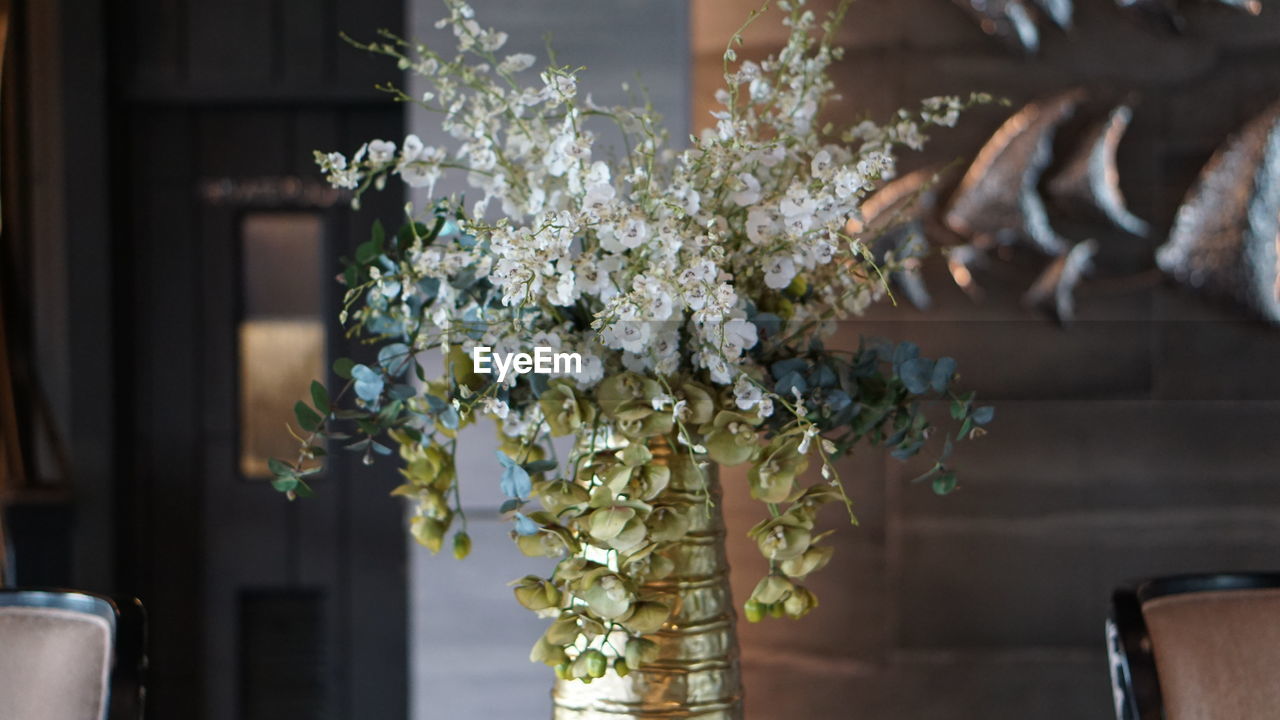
<point x="696" y="674"/>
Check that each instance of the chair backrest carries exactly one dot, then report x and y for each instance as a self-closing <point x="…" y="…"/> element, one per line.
<point x="1197" y="646"/>
<point x="70" y="656"/>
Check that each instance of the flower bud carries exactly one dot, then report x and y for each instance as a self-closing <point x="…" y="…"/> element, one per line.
<point x="461" y="545"/>
<point x="772" y="589"/>
<point x="754" y="610"/>
<point x="799" y="603"/>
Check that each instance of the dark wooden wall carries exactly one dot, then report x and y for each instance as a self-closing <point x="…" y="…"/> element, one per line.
<point x="1141" y="441"/>
<point x="259" y="607"/>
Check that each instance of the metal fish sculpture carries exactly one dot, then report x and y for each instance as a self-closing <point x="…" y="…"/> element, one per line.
<point x="1059" y="11"/>
<point x="1226" y="236"/>
<point x="894" y="215"/>
<point x="1253" y="7"/>
<point x="1090" y="181"/>
<point x="997" y="201"/>
<point x="1163" y="13"/>
<point x="1009" y="20"/>
<point x="1054" y="290"/>
<point x="962" y="260"/>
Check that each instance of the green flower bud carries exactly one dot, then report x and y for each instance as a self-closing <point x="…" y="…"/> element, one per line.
<point x="782" y="538"/>
<point x="811" y="560"/>
<point x="799" y="603"/>
<point x="606" y="594"/>
<point x="640" y="651"/>
<point x="777" y="611"/>
<point x="429" y="532"/>
<point x="667" y="524"/>
<point x="771" y="589"/>
<point x="754" y="610"/>
<point x="607" y="523"/>
<point x="562" y="671"/>
<point x="564" y="410"/>
<point x="646" y="617"/>
<point x="461" y="545"/>
<point x="537" y="594"/>
<point x="563" y="631"/>
<point x="621" y="668"/>
<point x="593" y="662"/>
<point x="547" y="653"/>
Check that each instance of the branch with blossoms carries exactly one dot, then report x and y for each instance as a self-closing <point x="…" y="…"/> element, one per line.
<point x="698" y="285"/>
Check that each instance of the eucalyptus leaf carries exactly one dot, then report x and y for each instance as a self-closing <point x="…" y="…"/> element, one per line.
<point x="320" y="397"/>
<point x="916" y="374"/>
<point x="943" y="371"/>
<point x="395" y="359"/>
<point x="342" y="367"/>
<point x="307" y="417"/>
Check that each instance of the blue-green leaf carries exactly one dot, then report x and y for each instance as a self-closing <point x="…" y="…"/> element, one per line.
<point x="368" y="383"/>
<point x="395" y="359"/>
<point x="916" y="374"/>
<point x="943" y="371"/>
<point x="984" y="414"/>
<point x="307" y="417"/>
<point x="320" y="397"/>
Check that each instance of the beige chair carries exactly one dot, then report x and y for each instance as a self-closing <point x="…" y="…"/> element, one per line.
<point x="1197" y="647"/>
<point x="69" y="656"/>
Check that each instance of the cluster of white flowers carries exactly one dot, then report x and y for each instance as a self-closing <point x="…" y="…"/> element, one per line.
<point x="664" y="257"/>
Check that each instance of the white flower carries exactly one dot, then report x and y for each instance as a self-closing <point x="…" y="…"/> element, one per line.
<point x="495" y="407"/>
<point x="821" y="164"/>
<point x="518" y="62"/>
<point x="779" y="272"/>
<point x="848" y="182"/>
<point x="634" y="232"/>
<point x="797" y="202"/>
<point x="412" y="148"/>
<point x="381" y="152"/>
<point x="748" y="192"/>
<point x="740" y="333"/>
<point x="809" y="434"/>
<point x="766" y="407"/>
<point x="762" y="225"/>
<point x="746" y="394"/>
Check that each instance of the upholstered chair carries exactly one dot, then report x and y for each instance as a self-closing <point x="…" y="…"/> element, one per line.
<point x="69" y="656"/>
<point x="1197" y="647"/>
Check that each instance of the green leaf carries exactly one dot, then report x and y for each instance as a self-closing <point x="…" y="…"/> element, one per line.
<point x="303" y="490"/>
<point x="538" y="466"/>
<point x="367" y="252"/>
<point x="944" y="483"/>
<point x="342" y="367"/>
<point x="320" y="396"/>
<point x="285" y="484"/>
<point x="377" y="235"/>
<point x="280" y="468"/>
<point x="307" y="417"/>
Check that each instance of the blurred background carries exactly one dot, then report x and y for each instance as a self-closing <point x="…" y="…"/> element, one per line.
<point x="168" y="250"/>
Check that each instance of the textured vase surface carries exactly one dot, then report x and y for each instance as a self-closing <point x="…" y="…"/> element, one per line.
<point x="696" y="674"/>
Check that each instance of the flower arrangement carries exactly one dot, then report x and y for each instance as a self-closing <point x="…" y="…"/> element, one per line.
<point x="697" y="286"/>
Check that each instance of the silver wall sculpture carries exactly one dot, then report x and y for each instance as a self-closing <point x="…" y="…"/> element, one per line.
<point x="1017" y="22"/>
<point x="1225" y="239"/>
<point x="998" y="201"/>
<point x="1226" y="236"/>
<point x="1090" y="180"/>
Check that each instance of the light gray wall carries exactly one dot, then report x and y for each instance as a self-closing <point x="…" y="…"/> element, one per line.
<point x="470" y="639"/>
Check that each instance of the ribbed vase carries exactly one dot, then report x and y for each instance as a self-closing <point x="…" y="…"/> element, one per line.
<point x="696" y="674"/>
